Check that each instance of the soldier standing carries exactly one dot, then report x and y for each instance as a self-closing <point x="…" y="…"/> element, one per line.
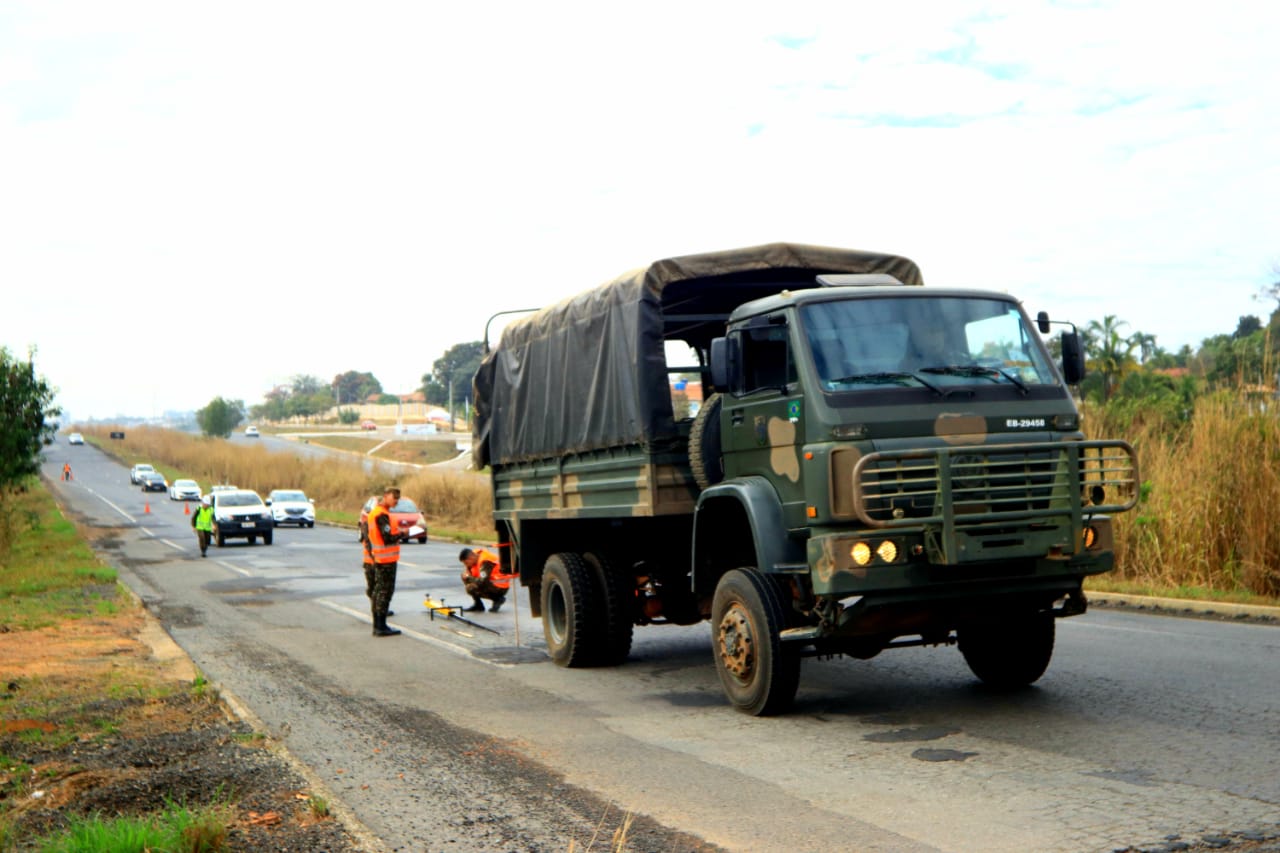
<point x="381" y="554"/>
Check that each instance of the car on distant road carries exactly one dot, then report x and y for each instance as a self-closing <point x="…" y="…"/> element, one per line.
<point x="152" y="481"/>
<point x="405" y="515"/>
<point x="184" y="490"/>
<point x="252" y="432"/>
<point x="291" y="506"/>
<point x="136" y="472"/>
<point x="368" y="425"/>
<point x="75" y="438"/>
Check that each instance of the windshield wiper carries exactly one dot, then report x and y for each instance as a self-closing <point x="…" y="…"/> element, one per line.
<point x="978" y="370"/>
<point x="886" y="377"/>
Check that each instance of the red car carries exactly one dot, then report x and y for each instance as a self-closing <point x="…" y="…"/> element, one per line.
<point x="368" y="425"/>
<point x="404" y="516"/>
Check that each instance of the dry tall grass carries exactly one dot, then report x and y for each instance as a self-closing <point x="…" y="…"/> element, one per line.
<point x="1210" y="510"/>
<point x="453" y="500"/>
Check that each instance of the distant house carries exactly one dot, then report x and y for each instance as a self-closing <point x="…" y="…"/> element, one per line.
<point x="415" y="397"/>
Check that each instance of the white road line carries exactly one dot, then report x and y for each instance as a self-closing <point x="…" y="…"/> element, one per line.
<point x="235" y="569"/>
<point x="110" y="504"/>
<point x="417" y="635"/>
<point x="175" y="546"/>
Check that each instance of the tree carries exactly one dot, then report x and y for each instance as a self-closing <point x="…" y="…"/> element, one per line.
<point x="1145" y="344"/>
<point x="220" y="417"/>
<point x="353" y="387"/>
<point x="453" y="370"/>
<point x="1111" y="353"/>
<point x="1247" y="326"/>
<point x="27" y="412"/>
<point x="304" y="385"/>
<point x="348" y="416"/>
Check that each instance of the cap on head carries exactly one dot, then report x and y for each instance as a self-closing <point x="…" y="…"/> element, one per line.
<point x="206" y="500"/>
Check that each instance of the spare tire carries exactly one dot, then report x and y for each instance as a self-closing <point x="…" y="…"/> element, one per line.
<point x="704" y="444"/>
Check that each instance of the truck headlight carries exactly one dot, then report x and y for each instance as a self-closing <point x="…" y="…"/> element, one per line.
<point x="861" y="553"/>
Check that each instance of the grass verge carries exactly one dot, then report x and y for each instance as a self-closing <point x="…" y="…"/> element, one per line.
<point x="1188" y="593"/>
<point x="105" y="747"/>
<point x="414" y="451"/>
<point x="51" y="573"/>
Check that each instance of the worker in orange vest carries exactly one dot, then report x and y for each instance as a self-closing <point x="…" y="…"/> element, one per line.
<point x="66" y="470"/>
<point x="381" y="554"/>
<point x="484" y="577"/>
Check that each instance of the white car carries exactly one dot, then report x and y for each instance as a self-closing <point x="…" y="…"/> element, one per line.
<point x="251" y="432"/>
<point x="291" y="506"/>
<point x="240" y="514"/>
<point x="184" y="490"/>
<point x="75" y="438"/>
<point x="136" y="472"/>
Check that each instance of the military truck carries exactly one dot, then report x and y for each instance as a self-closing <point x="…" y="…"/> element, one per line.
<point x="880" y="465"/>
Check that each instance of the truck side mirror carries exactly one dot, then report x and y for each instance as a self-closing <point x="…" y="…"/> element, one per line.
<point x="1072" y="358"/>
<point x="720" y="363"/>
<point x="1042" y="322"/>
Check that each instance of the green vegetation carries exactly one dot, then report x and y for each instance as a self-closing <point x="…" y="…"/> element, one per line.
<point x="1206" y="428"/>
<point x="220" y="417"/>
<point x="27" y="412"/>
<point x="318" y="806"/>
<point x="450" y="376"/>
<point x="50" y="573"/>
<point x="178" y="829"/>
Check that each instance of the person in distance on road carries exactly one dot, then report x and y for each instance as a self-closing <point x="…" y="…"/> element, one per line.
<point x="483" y="577"/>
<point x="66" y="470"/>
<point x="381" y="554"/>
<point x="202" y="523"/>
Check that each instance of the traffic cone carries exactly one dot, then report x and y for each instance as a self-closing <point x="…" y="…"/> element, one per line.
<point x="186" y="508"/>
<point x="146" y="508"/>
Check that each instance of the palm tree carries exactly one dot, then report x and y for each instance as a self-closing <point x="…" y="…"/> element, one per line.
<point x="1111" y="353"/>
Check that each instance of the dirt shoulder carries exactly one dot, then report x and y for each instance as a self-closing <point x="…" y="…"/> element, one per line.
<point x="102" y="716"/>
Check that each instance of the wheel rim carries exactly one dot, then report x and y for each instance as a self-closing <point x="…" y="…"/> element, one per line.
<point x="736" y="643"/>
<point x="557" y="614"/>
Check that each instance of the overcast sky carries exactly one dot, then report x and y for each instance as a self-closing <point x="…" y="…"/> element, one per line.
<point x="204" y="199"/>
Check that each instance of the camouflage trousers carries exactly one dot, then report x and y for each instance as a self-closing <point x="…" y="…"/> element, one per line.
<point x="380" y="585"/>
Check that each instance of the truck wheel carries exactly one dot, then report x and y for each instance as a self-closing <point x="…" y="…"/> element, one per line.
<point x="1009" y="653"/>
<point x="219" y="539"/>
<point x="704" y="444"/>
<point x="568" y="611"/>
<point x="617" y="603"/>
<point x="759" y="674"/>
<point x="267" y="537"/>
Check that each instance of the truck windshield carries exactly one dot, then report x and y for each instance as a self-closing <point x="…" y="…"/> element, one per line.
<point x="923" y="341"/>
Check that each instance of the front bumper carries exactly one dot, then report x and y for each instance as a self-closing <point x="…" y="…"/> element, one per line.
<point x="243" y="529"/>
<point x="284" y="517"/>
<point x="154" y="487"/>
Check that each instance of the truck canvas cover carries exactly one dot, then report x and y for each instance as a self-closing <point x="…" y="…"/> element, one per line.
<point x="590" y="372"/>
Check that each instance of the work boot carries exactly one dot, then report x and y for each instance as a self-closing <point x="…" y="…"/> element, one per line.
<point x="478" y="607"/>
<point x="497" y="602"/>
<point x="381" y="628"/>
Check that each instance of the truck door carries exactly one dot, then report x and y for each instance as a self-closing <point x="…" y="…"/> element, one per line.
<point x="762" y="426"/>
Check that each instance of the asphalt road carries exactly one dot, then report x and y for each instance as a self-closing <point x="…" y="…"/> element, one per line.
<point x="1145" y="728"/>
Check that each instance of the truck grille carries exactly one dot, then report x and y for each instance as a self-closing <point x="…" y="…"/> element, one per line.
<point x="972" y="484"/>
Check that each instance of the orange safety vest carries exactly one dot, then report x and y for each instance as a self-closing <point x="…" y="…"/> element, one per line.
<point x="498" y="577"/>
<point x="383" y="552"/>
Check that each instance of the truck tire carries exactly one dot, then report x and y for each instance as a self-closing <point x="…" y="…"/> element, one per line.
<point x="617" y="602"/>
<point x="759" y="673"/>
<point x="219" y="539"/>
<point x="704" y="444"/>
<point x="1009" y="653"/>
<point x="268" y="537"/>
<point x="570" y="621"/>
